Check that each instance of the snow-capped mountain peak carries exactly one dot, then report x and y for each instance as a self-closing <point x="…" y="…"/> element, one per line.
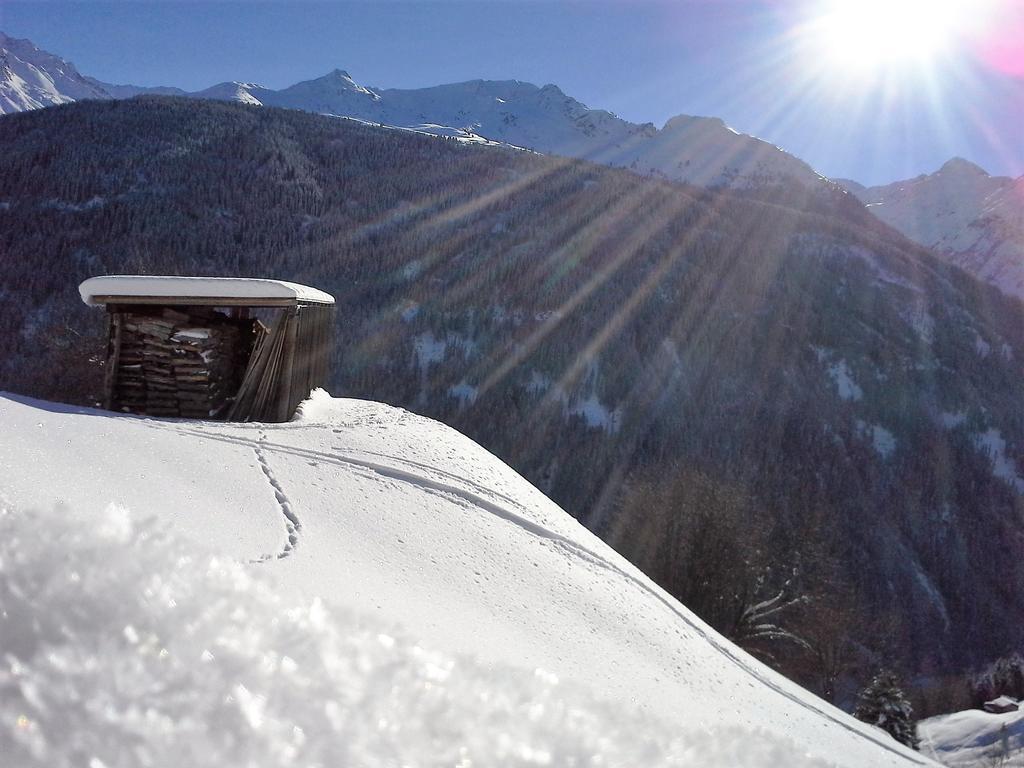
<point x="335" y="80"/>
<point x="960" y="166"/>
<point x="344" y="77"/>
<point x="31" y="78"/>
<point x="246" y="93"/>
<point x="335" y="93"/>
<point x="553" y="90"/>
<point x="974" y="219"/>
<point x="30" y="52"/>
<point x="341" y="79"/>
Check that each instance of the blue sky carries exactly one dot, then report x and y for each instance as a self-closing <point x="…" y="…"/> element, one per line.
<point x="646" y="61"/>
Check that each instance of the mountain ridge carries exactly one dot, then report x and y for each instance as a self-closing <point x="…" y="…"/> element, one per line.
<point x="31" y="78"/>
<point x="973" y="219"/>
<point x="688" y="149"/>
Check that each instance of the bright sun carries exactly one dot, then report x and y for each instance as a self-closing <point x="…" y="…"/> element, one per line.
<point x="867" y="36"/>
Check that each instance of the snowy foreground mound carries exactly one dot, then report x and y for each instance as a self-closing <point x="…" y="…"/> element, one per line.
<point x="361" y="587"/>
<point x="975" y="739"/>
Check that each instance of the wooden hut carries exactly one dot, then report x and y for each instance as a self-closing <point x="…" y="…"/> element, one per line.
<point x="233" y="348"/>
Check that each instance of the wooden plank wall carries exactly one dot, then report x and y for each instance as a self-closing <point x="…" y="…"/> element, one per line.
<point x="311" y="356"/>
<point x="292" y="359"/>
<point x="114" y="322"/>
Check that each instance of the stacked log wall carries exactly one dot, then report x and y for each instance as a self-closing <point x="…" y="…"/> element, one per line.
<point x="168" y="362"/>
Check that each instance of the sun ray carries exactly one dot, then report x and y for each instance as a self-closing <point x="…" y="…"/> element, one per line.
<point x="624" y="214"/>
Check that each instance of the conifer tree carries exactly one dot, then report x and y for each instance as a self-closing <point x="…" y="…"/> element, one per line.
<point x="882" y="703"/>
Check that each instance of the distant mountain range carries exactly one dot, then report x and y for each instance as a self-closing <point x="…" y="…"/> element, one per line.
<point x="973" y="219"/>
<point x="696" y="150"/>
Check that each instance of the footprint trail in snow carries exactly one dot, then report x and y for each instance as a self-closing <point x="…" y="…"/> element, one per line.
<point x="291" y="521"/>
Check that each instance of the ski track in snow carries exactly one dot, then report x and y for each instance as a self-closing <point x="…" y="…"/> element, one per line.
<point x="291" y="520"/>
<point x="438" y="471"/>
<point x="469" y="499"/>
<point x="926" y="746"/>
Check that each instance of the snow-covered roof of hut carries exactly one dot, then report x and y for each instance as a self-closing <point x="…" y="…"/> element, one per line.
<point x="158" y="289"/>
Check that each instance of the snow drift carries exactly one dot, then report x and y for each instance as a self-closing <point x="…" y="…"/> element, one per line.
<point x="142" y="651"/>
<point x="974" y="739"/>
<point x="359" y="587"/>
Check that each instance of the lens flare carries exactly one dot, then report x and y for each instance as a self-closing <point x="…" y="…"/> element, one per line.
<point x="1001" y="43"/>
<point x="871" y="35"/>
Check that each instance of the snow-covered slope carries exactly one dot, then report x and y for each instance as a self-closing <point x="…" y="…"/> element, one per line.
<point x="974" y="739"/>
<point x="31" y="78"/>
<point x="495" y="594"/>
<point x="974" y="219"/>
<point x="246" y="93"/>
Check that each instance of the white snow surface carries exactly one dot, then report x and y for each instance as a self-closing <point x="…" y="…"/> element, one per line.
<point x="464" y="392"/>
<point x="882" y="440"/>
<point x="847" y="388"/>
<point x="595" y="413"/>
<point x="205" y="287"/>
<point x="974" y="739"/>
<point x="361" y="586"/>
<point x="428" y="349"/>
<point x="992" y="442"/>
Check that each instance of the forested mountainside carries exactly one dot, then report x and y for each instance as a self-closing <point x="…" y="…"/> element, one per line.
<point x="748" y="395"/>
